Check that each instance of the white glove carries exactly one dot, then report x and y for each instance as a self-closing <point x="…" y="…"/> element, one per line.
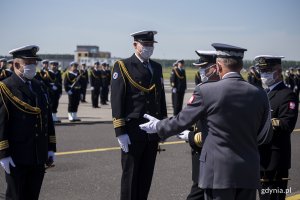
<point x="51" y="154"/>
<point x="5" y="162"/>
<point x="184" y="135"/>
<point x="70" y="92"/>
<point x="54" y="87"/>
<point x="124" y="141"/>
<point x="149" y="127"/>
<point x="174" y="90"/>
<point x="92" y="88"/>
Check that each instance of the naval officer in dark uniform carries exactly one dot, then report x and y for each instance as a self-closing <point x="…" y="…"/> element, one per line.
<point x="96" y="84"/>
<point x="84" y="82"/>
<point x="27" y="135"/>
<point x="105" y="77"/>
<point x="40" y="75"/>
<point x="72" y="86"/>
<point x="276" y="157"/>
<point x="208" y="72"/>
<point x="55" y="87"/>
<point x="178" y="84"/>
<point x="137" y="88"/>
<point x="235" y="119"/>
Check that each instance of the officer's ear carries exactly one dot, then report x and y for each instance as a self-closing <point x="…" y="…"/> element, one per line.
<point x="17" y="64"/>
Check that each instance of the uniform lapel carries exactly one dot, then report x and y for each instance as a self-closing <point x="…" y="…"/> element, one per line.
<point x="272" y="93"/>
<point x="23" y="87"/>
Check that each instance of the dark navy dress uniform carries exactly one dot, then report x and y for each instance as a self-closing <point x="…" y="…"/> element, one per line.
<point x="105" y="77"/>
<point x="73" y="79"/>
<point x="54" y="82"/>
<point x="84" y="83"/>
<point x="276" y="157"/>
<point x="96" y="83"/>
<point x="178" y="82"/>
<point x="26" y="134"/>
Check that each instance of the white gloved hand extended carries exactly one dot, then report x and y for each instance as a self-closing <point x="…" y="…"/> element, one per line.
<point x="70" y="92"/>
<point x="92" y="88"/>
<point x="174" y="90"/>
<point x="124" y="141"/>
<point x="54" y="87"/>
<point x="6" y="162"/>
<point x="184" y="135"/>
<point x="149" y="127"/>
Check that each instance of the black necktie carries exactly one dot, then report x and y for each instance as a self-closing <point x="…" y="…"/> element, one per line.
<point x="28" y="83"/>
<point x="146" y="65"/>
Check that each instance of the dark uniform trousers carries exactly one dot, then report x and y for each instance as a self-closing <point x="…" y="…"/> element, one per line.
<point x="84" y="83"/>
<point x="24" y="182"/>
<point x="129" y="104"/>
<point x="26" y="134"/>
<point x="74" y="98"/>
<point x="96" y="82"/>
<point x="276" y="157"/>
<point x="178" y="81"/>
<point x="138" y="166"/>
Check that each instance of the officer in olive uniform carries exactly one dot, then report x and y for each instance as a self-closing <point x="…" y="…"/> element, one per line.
<point x="178" y="84"/>
<point x="137" y="88"/>
<point x="6" y="71"/>
<point x="235" y="118"/>
<point x="254" y="77"/>
<point x="72" y="86"/>
<point x="54" y="79"/>
<point x="208" y="72"/>
<point x="27" y="135"/>
<point x="276" y="157"/>
<point x="96" y="84"/>
<point x="40" y="75"/>
<point x="105" y="84"/>
<point x="84" y="82"/>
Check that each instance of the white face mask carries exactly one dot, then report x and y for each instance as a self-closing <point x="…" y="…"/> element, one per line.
<point x="203" y="76"/>
<point x="146" y="52"/>
<point x="268" y="78"/>
<point x="29" y="71"/>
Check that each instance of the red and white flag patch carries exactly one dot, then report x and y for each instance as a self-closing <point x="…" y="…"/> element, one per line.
<point x="191" y="99"/>
<point x="292" y="105"/>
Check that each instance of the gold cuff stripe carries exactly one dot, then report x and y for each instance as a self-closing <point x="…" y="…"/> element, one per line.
<point x="118" y="122"/>
<point x="4" y="145"/>
<point x="198" y="139"/>
<point x="275" y="122"/>
<point x="124" y="70"/>
<point x="52" y="139"/>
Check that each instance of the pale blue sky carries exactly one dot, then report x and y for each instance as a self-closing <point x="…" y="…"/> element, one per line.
<point x="57" y="26"/>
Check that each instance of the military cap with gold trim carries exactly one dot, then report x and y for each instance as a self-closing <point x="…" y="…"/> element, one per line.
<point x="228" y="51"/>
<point x="144" y="36"/>
<point x="267" y="61"/>
<point x="26" y="52"/>
<point x="206" y="58"/>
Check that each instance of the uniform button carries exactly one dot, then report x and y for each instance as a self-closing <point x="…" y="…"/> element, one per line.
<point x="36" y="126"/>
<point x="36" y="135"/>
<point x="157" y="113"/>
<point x="147" y="112"/>
<point x="140" y="82"/>
<point x="148" y="102"/>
